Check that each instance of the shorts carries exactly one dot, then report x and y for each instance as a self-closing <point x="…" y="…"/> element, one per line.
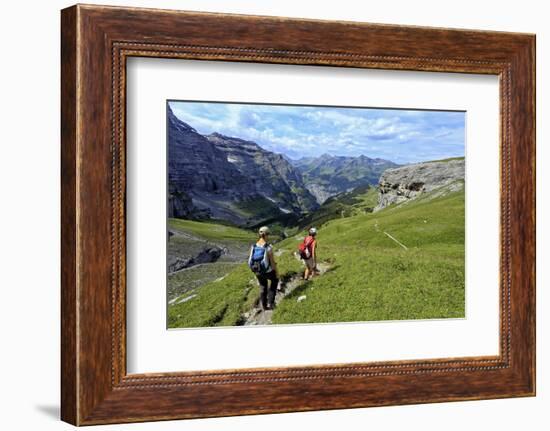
<point x="310" y="263"/>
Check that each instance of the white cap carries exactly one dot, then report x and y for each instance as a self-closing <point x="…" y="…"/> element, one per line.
<point x="312" y="231"/>
<point x="263" y="230"/>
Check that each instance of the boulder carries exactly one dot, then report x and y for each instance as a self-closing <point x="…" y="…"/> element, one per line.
<point x="207" y="255"/>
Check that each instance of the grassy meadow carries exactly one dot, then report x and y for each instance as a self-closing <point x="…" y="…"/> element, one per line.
<point x="370" y="276"/>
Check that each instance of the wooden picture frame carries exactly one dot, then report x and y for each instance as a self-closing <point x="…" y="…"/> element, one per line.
<point x="95" y="43"/>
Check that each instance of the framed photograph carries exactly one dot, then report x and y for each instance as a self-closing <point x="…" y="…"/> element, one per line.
<point x="331" y="214"/>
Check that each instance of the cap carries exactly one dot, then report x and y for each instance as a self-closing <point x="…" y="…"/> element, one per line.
<point x="312" y="231"/>
<point x="263" y="230"/>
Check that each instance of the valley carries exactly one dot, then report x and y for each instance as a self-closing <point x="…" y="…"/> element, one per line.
<point x="391" y="237"/>
<point x="218" y="177"/>
<point x="328" y="175"/>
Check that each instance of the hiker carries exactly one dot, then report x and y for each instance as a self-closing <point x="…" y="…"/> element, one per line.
<point x="262" y="262"/>
<point x="308" y="252"/>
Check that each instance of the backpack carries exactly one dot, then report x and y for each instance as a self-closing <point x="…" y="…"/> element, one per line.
<point x="305" y="247"/>
<point x="259" y="260"/>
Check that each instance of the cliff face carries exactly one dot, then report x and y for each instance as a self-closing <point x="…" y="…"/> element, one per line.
<point x="197" y="168"/>
<point x="408" y="182"/>
<point x="196" y="164"/>
<point x="270" y="174"/>
<point x="328" y="175"/>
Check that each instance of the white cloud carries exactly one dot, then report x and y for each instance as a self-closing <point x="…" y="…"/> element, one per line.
<point x="297" y="131"/>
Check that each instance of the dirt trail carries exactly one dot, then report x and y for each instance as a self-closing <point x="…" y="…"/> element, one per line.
<point x="258" y="316"/>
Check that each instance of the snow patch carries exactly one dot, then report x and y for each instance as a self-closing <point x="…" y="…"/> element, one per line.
<point x="283" y="210"/>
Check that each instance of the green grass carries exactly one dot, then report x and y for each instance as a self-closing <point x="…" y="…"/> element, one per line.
<point x="368" y="199"/>
<point x="371" y="276"/>
<point x="218" y="303"/>
<point x="450" y="159"/>
<point x="222" y="303"/>
<point x="182" y="282"/>
<point x="257" y="208"/>
<point x="374" y="278"/>
<point x="211" y="231"/>
<point x="358" y="201"/>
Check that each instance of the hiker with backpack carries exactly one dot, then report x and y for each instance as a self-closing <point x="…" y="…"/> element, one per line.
<point x="262" y="263"/>
<point x="308" y="253"/>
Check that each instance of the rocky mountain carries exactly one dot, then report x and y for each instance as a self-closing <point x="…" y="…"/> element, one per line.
<point x="408" y="182"/>
<point x="228" y="178"/>
<point x="327" y="175"/>
<point x="197" y="172"/>
<point x="270" y="174"/>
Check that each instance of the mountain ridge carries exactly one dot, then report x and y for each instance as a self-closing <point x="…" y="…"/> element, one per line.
<point x="328" y="175"/>
<point x="227" y="178"/>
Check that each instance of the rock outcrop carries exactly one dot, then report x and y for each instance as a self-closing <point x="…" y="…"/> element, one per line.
<point x="207" y="255"/>
<point x="408" y="182"/>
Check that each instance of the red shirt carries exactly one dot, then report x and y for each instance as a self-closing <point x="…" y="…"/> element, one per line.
<point x="310" y="243"/>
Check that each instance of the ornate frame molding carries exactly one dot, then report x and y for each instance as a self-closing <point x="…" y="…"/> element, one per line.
<point x="96" y="41"/>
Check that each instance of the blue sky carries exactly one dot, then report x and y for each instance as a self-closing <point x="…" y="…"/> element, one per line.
<point x="402" y="136"/>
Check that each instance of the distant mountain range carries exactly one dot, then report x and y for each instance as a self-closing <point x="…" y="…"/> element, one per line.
<point x="328" y="175"/>
<point x="227" y="178"/>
